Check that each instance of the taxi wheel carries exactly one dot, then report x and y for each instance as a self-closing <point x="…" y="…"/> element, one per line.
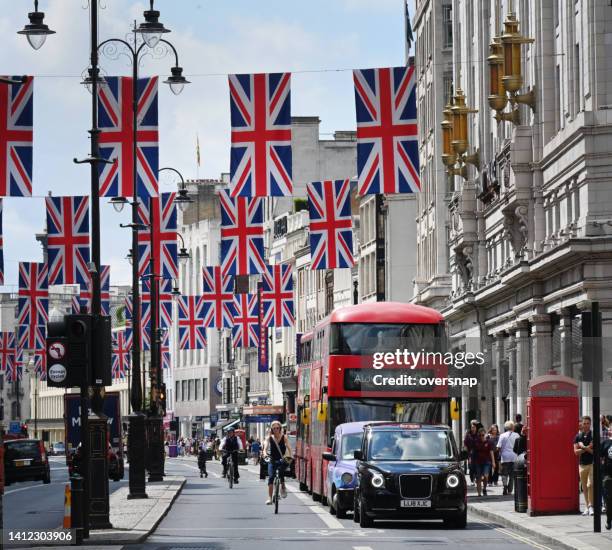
<point x="355" y="509"/>
<point x="456" y="522"/>
<point x="332" y="501"/>
<point x="364" y="520"/>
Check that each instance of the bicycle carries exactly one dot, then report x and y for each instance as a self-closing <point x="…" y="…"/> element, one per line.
<point x="277" y="485"/>
<point x="230" y="470"/>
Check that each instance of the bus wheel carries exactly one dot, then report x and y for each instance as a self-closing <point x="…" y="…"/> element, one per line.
<point x="315" y="497"/>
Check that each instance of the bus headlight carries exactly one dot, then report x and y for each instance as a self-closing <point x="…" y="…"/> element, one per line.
<point x="452" y="481"/>
<point x="346" y="478"/>
<point x="378" y="481"/>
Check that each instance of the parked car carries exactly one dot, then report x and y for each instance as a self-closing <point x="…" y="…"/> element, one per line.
<point x="409" y="471"/>
<point x="341" y="468"/>
<point x="58" y="449"/>
<point x="115" y="464"/>
<point x="25" y="460"/>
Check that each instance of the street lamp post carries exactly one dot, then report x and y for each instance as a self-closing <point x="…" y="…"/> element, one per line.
<point x="151" y="31"/>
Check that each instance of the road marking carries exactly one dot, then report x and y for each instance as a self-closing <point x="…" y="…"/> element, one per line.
<point x="362" y="548"/>
<point x="214" y="474"/>
<point x="514" y="535"/>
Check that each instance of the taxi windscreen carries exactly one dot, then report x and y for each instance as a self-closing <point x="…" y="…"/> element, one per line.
<point x="406" y="444"/>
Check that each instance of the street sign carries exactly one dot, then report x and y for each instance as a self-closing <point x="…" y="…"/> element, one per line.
<point x="57" y="373"/>
<point x="57" y="350"/>
<point x="15" y="427"/>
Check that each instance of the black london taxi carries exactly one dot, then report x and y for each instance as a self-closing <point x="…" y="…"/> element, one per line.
<point x="409" y="471"/>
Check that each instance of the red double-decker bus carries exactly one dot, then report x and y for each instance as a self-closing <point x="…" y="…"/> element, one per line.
<point x="340" y="377"/>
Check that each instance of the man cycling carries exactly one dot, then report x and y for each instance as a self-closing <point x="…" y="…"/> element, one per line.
<point x="276" y="451"/>
<point x="230" y="444"/>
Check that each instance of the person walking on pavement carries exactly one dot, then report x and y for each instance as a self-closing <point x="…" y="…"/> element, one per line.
<point x="518" y="424"/>
<point x="583" y="448"/>
<point x="507" y="456"/>
<point x="256" y="450"/>
<point x="483" y="460"/>
<point x="606" y="470"/>
<point x="469" y="442"/>
<point x="202" y="459"/>
<point x="493" y="438"/>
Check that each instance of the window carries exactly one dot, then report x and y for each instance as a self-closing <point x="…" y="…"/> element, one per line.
<point x="204" y="388"/>
<point x="184" y="388"/>
<point x="577" y="86"/>
<point x="190" y="391"/>
<point x="197" y="390"/>
<point x="447" y="25"/>
<point x="177" y="391"/>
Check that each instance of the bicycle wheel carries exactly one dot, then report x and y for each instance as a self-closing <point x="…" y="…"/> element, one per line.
<point x="230" y="472"/>
<point x="276" y="493"/>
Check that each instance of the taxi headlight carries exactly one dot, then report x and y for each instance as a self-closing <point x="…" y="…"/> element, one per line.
<point x="378" y="481"/>
<point x="452" y="481"/>
<point x="346" y="478"/>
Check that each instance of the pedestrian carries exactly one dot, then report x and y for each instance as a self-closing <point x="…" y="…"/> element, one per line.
<point x="493" y="437"/>
<point x="518" y="424"/>
<point x="182" y="446"/>
<point x="520" y="445"/>
<point x="605" y="428"/>
<point x="469" y="443"/>
<point x="483" y="460"/>
<point x="256" y="450"/>
<point x="202" y="460"/>
<point x="583" y="448"/>
<point x="507" y="456"/>
<point x="606" y="470"/>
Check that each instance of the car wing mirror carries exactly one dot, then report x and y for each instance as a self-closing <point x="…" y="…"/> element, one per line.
<point x="329" y="456"/>
<point x="358" y="455"/>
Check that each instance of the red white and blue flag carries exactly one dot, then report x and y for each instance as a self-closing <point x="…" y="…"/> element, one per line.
<point x="260" y="106"/>
<point x="16" y="115"/>
<point x="165" y="251"/>
<point x="33" y="301"/>
<point x="82" y="302"/>
<point x="1" y="248"/>
<point x="7" y="350"/>
<point x="40" y="362"/>
<point x="219" y="293"/>
<point x="277" y="296"/>
<point x="245" y="332"/>
<point x="15" y="368"/>
<point x="192" y="312"/>
<point x="116" y="122"/>
<point x="68" y="240"/>
<point x="331" y="224"/>
<point x="121" y="354"/>
<point x="387" y="137"/>
<point x="242" y="246"/>
<point x="165" y="350"/>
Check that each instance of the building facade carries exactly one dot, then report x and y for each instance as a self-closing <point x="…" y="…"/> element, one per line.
<point x="529" y="231"/>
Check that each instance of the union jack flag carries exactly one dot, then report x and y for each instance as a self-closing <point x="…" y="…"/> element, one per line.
<point x="1" y="248"/>
<point x="387" y="140"/>
<point x="40" y="363"/>
<point x="14" y="371"/>
<point x="121" y="354"/>
<point x="219" y="293"/>
<point x="165" y="250"/>
<point x="116" y="122"/>
<point x="165" y="350"/>
<point x="33" y="301"/>
<point x="7" y="350"/>
<point x="242" y="248"/>
<point x="277" y="296"/>
<point x="331" y="225"/>
<point x="82" y="301"/>
<point x="260" y="107"/>
<point x="192" y="312"/>
<point x="16" y="106"/>
<point x="164" y="301"/>
<point x="68" y="240"/>
<point x="245" y="332"/>
<point x="145" y="324"/>
<point x="23" y="337"/>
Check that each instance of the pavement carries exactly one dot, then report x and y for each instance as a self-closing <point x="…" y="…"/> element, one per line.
<point x="568" y="531"/>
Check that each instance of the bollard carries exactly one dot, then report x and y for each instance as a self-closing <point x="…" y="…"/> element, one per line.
<point x="520" y="484"/>
<point x="67" y="507"/>
<point x="76" y="515"/>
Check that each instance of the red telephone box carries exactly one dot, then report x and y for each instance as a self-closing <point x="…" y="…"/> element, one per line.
<point x="552" y="417"/>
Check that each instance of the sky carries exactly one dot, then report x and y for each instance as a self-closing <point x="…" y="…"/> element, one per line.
<point x="319" y="41"/>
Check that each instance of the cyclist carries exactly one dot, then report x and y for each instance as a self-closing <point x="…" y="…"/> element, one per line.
<point x="231" y="444"/>
<point x="202" y="459"/>
<point x="276" y="450"/>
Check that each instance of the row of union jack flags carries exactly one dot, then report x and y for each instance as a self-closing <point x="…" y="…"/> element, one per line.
<point x="260" y="112"/>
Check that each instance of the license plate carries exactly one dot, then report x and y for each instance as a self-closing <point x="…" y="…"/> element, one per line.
<point x="22" y="462"/>
<point x="416" y="503"/>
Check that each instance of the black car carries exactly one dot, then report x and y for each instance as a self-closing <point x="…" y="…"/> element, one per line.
<point x="25" y="460"/>
<point x="409" y="471"/>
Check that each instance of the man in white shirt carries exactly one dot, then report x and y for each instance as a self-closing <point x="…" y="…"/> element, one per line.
<point x="507" y="455"/>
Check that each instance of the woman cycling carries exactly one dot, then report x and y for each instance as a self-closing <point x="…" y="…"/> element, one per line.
<point x="276" y="448"/>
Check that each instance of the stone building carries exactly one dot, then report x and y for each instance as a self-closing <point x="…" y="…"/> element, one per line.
<point x="529" y="234"/>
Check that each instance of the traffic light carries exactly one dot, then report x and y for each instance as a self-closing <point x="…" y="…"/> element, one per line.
<point x="162" y="398"/>
<point x="102" y="351"/>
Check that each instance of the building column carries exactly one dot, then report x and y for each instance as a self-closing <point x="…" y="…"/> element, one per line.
<point x="498" y="357"/>
<point x="522" y="367"/>
<point x="565" y="331"/>
<point x="485" y="390"/>
<point x="542" y="344"/>
<point x="511" y="377"/>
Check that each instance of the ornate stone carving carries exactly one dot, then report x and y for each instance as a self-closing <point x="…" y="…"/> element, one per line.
<point x="516" y="230"/>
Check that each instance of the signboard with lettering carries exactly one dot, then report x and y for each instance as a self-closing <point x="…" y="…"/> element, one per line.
<point x="261" y="418"/>
<point x="262" y="409"/>
<point x="262" y="355"/>
<point x="72" y="410"/>
<point x="385" y="380"/>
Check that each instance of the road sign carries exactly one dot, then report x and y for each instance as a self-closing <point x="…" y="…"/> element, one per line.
<point x="15" y="427"/>
<point x="57" y="373"/>
<point x="57" y="350"/>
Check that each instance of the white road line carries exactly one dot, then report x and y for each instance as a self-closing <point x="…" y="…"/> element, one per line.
<point x="362" y="548"/>
<point x="514" y="535"/>
<point x="34" y="487"/>
<point x="326" y="517"/>
<point x="214" y="474"/>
